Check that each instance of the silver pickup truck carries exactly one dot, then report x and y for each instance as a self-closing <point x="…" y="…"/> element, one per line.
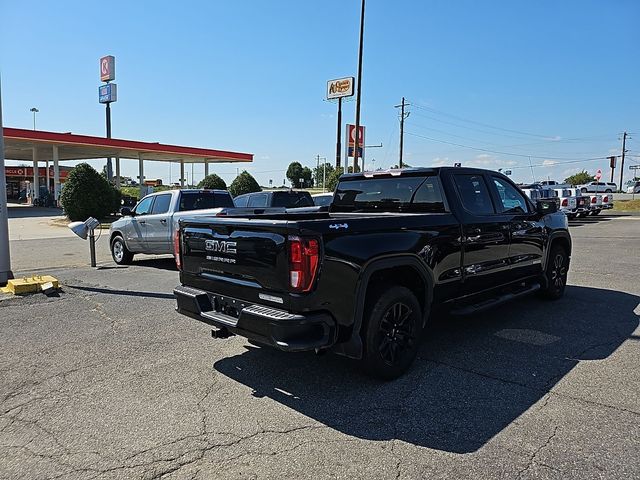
<point x="148" y="228"/>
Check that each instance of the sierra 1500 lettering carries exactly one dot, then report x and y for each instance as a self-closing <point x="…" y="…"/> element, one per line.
<point x="363" y="278"/>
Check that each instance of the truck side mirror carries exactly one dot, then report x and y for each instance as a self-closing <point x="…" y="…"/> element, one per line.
<point x="546" y="206"/>
<point x="126" y="212"/>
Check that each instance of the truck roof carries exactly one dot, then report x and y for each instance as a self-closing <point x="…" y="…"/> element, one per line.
<point x="414" y="171"/>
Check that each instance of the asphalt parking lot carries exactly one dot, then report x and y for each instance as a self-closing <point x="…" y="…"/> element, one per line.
<point x="107" y="381"/>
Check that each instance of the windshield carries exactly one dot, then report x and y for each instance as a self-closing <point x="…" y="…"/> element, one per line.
<point x="419" y="194"/>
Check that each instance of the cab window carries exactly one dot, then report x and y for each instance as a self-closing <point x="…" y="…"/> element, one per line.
<point x="161" y="205"/>
<point x="474" y="194"/>
<point x="144" y="207"/>
<point x="511" y="199"/>
<point x="258" y="200"/>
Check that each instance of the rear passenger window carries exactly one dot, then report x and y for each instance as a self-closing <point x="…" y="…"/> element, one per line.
<point x="259" y="200"/>
<point x="429" y="195"/>
<point x="161" y="205"/>
<point x="240" y="202"/>
<point x="474" y="194"/>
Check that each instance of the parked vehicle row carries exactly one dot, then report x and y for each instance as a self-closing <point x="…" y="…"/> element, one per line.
<point x="572" y="201"/>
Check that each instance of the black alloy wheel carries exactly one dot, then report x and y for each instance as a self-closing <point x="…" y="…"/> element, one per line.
<point x="392" y="334"/>
<point x="556" y="273"/>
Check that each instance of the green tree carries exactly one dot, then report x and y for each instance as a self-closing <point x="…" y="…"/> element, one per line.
<point x="579" y="178"/>
<point x="307" y="177"/>
<point x="87" y="194"/>
<point x="244" y="183"/>
<point x="294" y="174"/>
<point x="319" y="173"/>
<point x="212" y="182"/>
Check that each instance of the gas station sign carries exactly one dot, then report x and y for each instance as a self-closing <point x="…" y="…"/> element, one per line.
<point x="351" y="137"/>
<point x="108" y="93"/>
<point x="108" y="68"/>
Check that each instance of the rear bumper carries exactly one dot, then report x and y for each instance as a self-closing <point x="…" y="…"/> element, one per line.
<point x="278" y="328"/>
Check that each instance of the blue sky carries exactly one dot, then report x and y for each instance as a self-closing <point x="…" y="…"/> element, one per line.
<point x="555" y="80"/>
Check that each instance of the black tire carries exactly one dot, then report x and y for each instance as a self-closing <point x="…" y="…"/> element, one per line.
<point x="583" y="190"/>
<point x="571" y="216"/>
<point x="556" y="273"/>
<point x="608" y="190"/>
<point x="595" y="212"/>
<point x="392" y="334"/>
<point x="119" y="251"/>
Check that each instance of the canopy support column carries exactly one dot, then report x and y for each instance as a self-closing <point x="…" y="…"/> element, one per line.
<point x="56" y="175"/>
<point x="206" y="168"/>
<point x="182" y="173"/>
<point x="141" y="175"/>
<point x="118" y="172"/>
<point x="35" y="188"/>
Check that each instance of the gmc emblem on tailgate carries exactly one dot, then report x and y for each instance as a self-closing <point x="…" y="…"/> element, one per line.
<point x="220" y="246"/>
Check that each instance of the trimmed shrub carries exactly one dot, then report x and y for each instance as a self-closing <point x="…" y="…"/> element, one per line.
<point x="87" y="194"/>
<point x="244" y="183"/>
<point x="212" y="182"/>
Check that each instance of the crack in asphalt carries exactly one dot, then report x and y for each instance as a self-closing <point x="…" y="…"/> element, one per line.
<point x="532" y="457"/>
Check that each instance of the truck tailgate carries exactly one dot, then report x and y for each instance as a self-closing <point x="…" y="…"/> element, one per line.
<point x="236" y="257"/>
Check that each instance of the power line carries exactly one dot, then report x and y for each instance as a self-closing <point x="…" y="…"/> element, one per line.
<point x="519" y="132"/>
<point x="496" y="151"/>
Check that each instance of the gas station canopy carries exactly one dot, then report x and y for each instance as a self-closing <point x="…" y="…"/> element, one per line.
<point x="19" y="144"/>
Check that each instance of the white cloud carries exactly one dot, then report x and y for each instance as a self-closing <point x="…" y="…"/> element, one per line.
<point x="549" y="163"/>
<point x="483" y="155"/>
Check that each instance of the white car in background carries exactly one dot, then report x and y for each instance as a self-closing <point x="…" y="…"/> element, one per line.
<point x="598" y="187"/>
<point x="595" y="204"/>
<point x="607" y="201"/>
<point x="583" y="202"/>
<point x="633" y="186"/>
<point x="568" y="202"/>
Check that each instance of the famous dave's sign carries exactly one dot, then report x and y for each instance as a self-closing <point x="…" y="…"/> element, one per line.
<point x="341" y="87"/>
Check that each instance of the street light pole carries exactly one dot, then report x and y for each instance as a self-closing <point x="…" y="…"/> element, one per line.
<point x="5" y="259"/>
<point x="34" y="110"/>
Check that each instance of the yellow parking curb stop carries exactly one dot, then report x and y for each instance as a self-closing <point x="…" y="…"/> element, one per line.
<point x="20" y="286"/>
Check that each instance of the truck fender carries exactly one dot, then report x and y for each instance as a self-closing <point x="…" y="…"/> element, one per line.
<point x="353" y="347"/>
<point x="558" y="234"/>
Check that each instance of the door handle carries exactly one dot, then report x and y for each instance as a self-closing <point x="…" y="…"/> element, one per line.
<point x="163" y="221"/>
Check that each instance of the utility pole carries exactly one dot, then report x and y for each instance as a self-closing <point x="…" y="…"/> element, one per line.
<point x="356" y="143"/>
<point x="403" y="115"/>
<point x="624" y="143"/>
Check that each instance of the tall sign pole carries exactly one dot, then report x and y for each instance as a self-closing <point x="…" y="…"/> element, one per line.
<point x="359" y="92"/>
<point x="338" y="146"/>
<point x="339" y="88"/>
<point x="106" y="94"/>
<point x="5" y="254"/>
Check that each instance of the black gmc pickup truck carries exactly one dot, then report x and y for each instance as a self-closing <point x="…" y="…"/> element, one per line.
<point x="361" y="279"/>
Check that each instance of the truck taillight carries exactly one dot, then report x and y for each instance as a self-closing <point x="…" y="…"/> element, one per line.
<point x="605" y="198"/>
<point x="594" y="200"/>
<point x="565" y="202"/>
<point x="176" y="248"/>
<point x="304" y="258"/>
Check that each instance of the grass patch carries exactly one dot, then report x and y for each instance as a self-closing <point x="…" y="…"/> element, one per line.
<point x="627" y="205"/>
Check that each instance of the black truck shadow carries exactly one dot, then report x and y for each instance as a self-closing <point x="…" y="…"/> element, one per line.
<point x="473" y="377"/>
